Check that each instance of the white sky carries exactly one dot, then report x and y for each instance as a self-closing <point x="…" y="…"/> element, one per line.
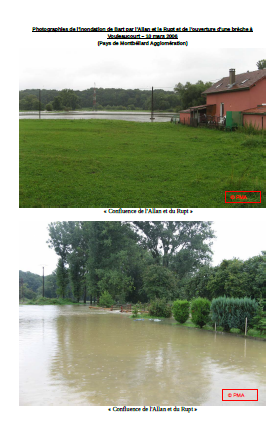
<point x="74" y="68"/>
<point x="239" y="239"/>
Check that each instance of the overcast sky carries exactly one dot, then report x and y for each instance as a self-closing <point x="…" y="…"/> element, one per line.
<point x="239" y="239"/>
<point x="129" y="67"/>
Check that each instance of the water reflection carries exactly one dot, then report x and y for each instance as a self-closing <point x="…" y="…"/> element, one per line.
<point x="70" y="355"/>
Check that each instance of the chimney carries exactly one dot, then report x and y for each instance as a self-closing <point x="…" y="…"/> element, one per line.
<point x="232" y="76"/>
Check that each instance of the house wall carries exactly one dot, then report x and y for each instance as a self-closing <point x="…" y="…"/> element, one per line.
<point x="185" y="117"/>
<point x="258" y="121"/>
<point x="239" y="100"/>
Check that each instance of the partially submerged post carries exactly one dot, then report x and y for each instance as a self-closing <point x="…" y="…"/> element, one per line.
<point x="245" y="326"/>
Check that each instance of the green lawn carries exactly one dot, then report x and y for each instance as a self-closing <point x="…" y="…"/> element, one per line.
<point x="109" y="163"/>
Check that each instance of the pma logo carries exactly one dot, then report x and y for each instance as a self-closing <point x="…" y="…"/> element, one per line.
<point x="235" y="395"/>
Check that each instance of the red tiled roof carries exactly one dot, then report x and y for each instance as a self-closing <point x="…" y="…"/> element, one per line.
<point x="242" y="82"/>
<point x="260" y="109"/>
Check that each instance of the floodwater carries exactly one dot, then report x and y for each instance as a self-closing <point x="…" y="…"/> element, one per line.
<point x="103" y="115"/>
<point x="73" y="356"/>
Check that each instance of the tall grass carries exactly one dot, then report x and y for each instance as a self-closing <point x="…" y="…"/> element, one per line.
<point x="250" y="128"/>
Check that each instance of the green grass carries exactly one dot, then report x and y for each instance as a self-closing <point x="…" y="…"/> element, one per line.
<point x="109" y="163"/>
<point x="250" y="332"/>
<point x="190" y="324"/>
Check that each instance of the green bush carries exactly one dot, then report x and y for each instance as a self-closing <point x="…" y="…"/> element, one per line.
<point x="231" y="312"/>
<point x="180" y="310"/>
<point x="105" y="300"/>
<point x="200" y="311"/>
<point x="159" y="308"/>
<point x="259" y="321"/>
<point x="49" y="107"/>
<point x="135" y="311"/>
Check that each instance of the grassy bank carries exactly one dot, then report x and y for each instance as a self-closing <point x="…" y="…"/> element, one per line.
<point x="109" y="163"/>
<point x="250" y="332"/>
<point x="253" y="333"/>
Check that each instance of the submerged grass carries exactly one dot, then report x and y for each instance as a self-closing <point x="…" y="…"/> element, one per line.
<point x="109" y="163"/>
<point x="51" y="301"/>
<point x="190" y="324"/>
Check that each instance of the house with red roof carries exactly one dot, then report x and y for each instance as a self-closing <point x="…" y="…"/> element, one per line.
<point x="245" y="93"/>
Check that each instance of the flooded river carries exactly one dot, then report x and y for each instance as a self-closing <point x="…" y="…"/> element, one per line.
<point x="71" y="355"/>
<point x="103" y="115"/>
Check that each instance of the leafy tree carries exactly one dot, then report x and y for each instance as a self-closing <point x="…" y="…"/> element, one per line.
<point x="238" y="278"/>
<point x="50" y="285"/>
<point x="62" y="278"/>
<point x="259" y="321"/>
<point x="255" y="271"/>
<point x="57" y="103"/>
<point x="191" y="94"/>
<point x="69" y="99"/>
<point x="105" y="300"/>
<point x="261" y="64"/>
<point x="228" y="279"/>
<point x="168" y="240"/>
<point x="49" y="107"/>
<point x="99" y="255"/>
<point x="159" y="282"/>
<point x="33" y="281"/>
<point x="197" y="285"/>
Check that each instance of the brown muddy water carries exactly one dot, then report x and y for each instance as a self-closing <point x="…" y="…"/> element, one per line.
<point x="72" y="356"/>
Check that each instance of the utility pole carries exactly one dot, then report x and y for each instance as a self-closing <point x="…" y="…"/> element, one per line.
<point x="43" y="282"/>
<point x="94" y="99"/>
<point x="152" y="106"/>
<point x="39" y="102"/>
<point x="43" y="278"/>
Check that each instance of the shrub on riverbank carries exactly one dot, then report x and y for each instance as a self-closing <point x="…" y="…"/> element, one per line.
<point x="200" y="311"/>
<point x="180" y="310"/>
<point x="159" y="308"/>
<point x="231" y="312"/>
<point x="105" y="300"/>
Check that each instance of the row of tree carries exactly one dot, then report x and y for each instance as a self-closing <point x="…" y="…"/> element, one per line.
<point x="183" y="96"/>
<point x="107" y="99"/>
<point x="141" y="261"/>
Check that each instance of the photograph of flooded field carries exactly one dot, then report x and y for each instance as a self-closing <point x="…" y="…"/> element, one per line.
<point x="141" y="313"/>
<point x="73" y="355"/>
<point x="92" y="136"/>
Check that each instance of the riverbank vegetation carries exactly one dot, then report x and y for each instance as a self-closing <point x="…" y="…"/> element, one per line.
<point x="232" y="315"/>
<point x="100" y="163"/>
<point x="155" y="263"/>
<point x="106" y="99"/>
<point x="50" y="301"/>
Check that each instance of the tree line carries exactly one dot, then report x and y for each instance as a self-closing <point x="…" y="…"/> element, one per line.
<point x="182" y="97"/>
<point x="142" y="261"/>
<point x="106" y="99"/>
